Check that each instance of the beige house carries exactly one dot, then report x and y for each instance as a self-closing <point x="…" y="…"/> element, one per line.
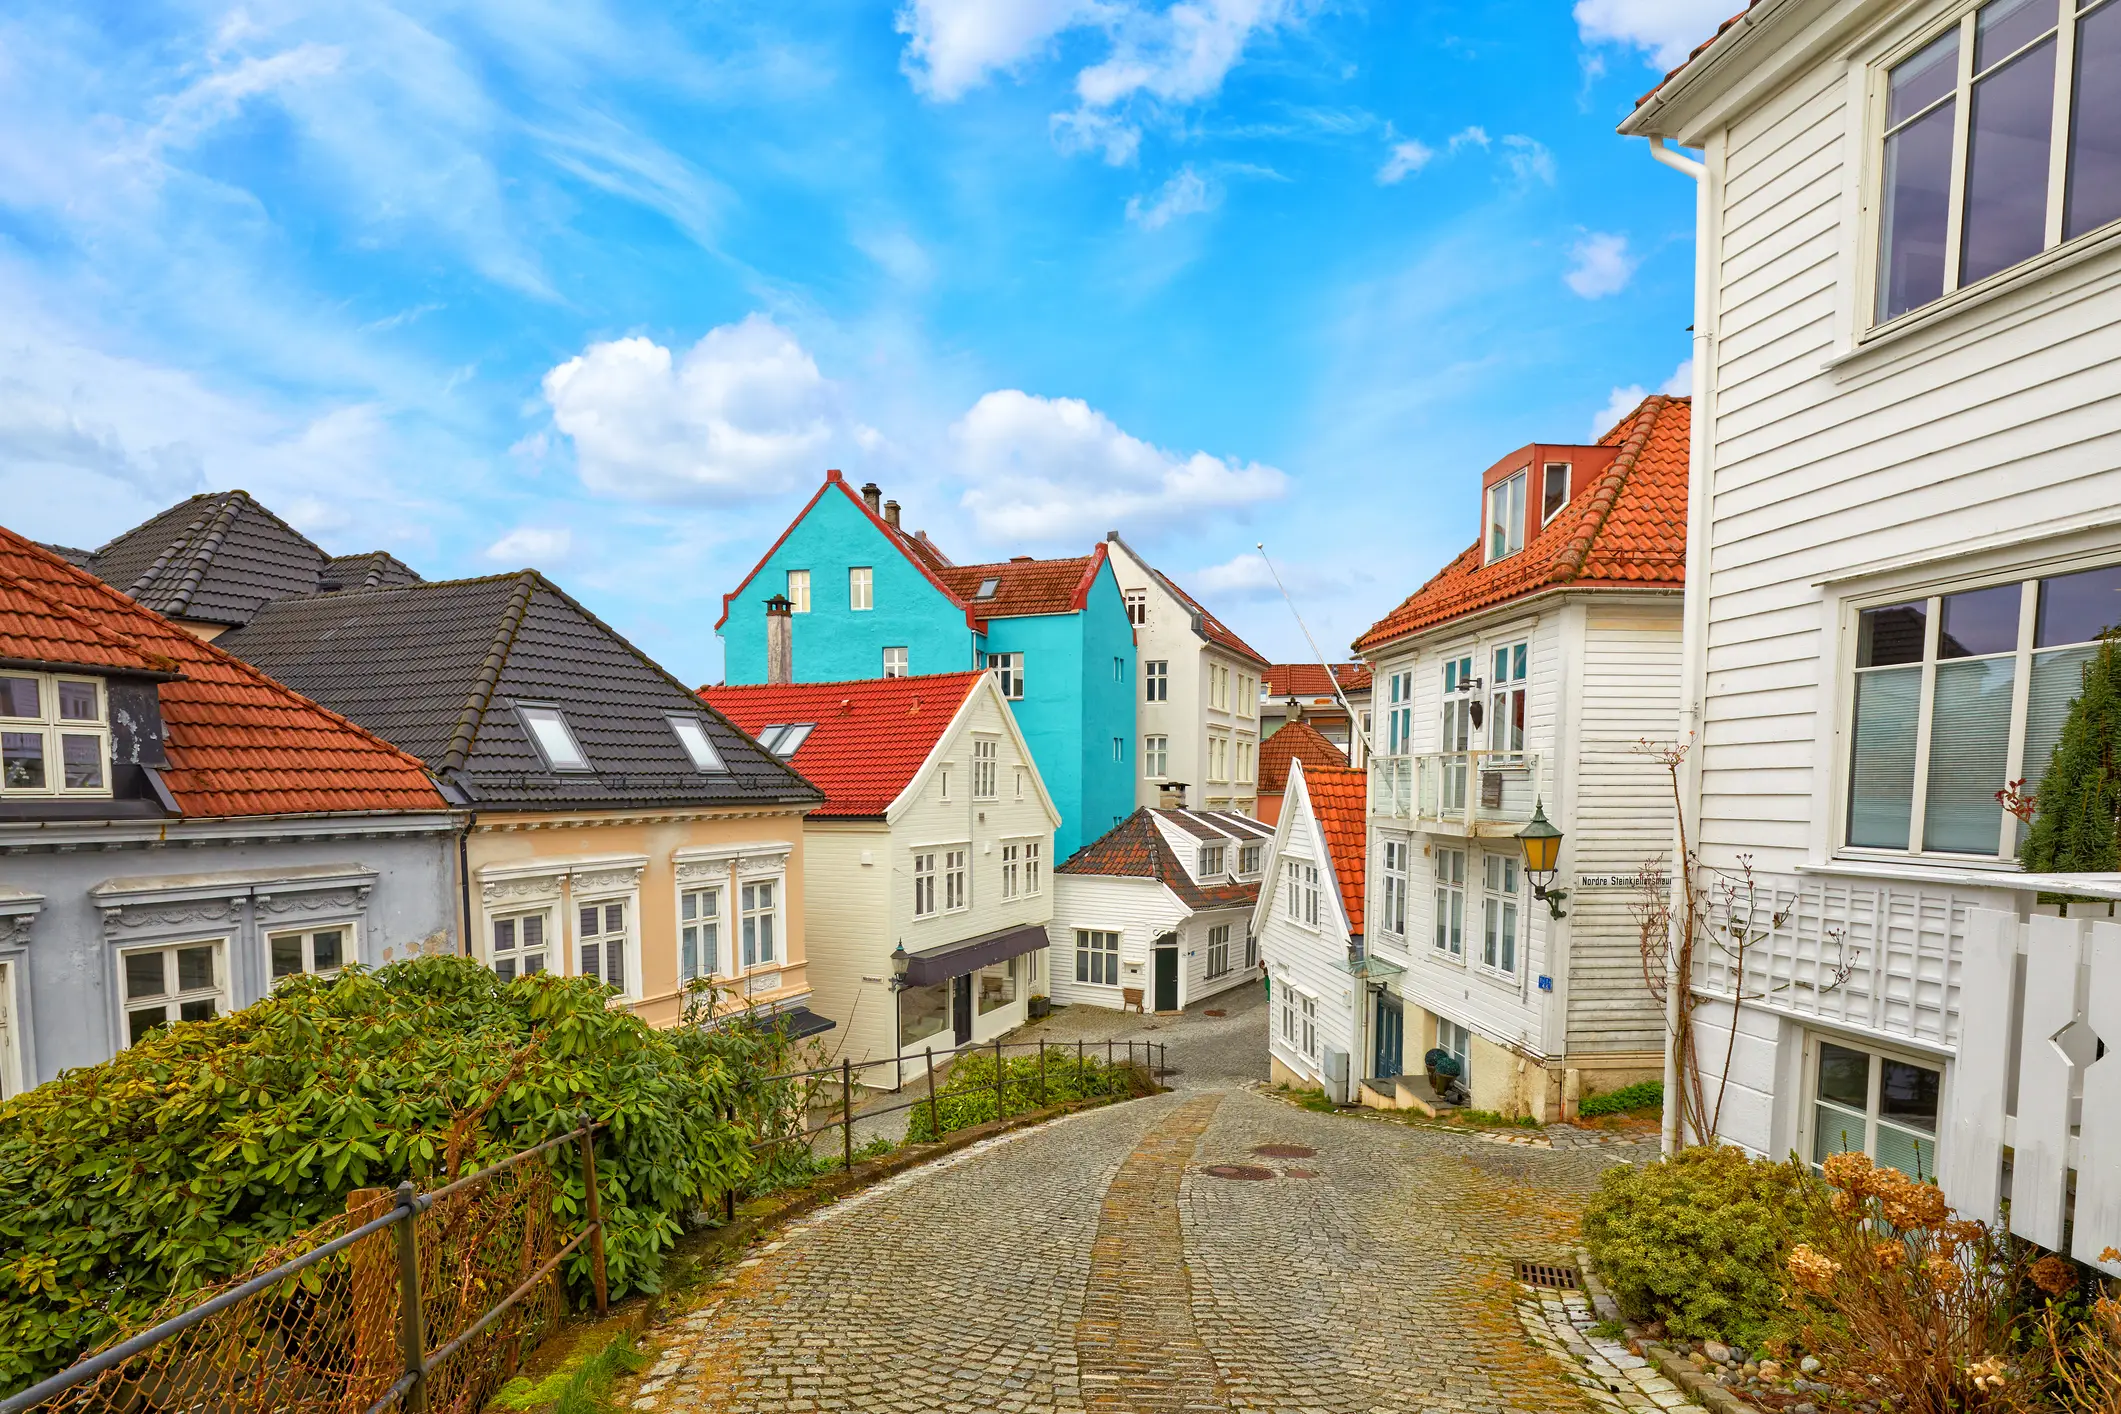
<point x="935" y="838"/>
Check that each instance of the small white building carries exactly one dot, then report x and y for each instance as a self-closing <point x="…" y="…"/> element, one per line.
<point x="1905" y="537"/>
<point x="1530" y="673"/>
<point x="1159" y="910"/>
<point x="1309" y="921"/>
<point x="1197" y="705"/>
<point x="936" y="836"/>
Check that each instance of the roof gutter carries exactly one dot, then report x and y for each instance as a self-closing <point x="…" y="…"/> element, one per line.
<point x="1689" y="73"/>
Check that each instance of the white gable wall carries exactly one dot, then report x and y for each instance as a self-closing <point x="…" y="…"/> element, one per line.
<point x="1311" y="961"/>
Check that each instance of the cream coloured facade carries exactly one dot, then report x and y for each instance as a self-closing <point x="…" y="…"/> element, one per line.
<point x="1197" y="702"/>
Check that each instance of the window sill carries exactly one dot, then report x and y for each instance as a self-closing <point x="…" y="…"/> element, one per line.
<point x="1873" y="347"/>
<point x="2000" y="876"/>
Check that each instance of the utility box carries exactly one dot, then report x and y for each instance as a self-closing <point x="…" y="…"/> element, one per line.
<point x="1337" y="1076"/>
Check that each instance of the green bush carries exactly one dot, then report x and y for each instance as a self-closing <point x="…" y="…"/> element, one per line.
<point x="1698" y="1240"/>
<point x="1642" y="1095"/>
<point x="178" y="1163"/>
<point x="2079" y="801"/>
<point x="966" y="1098"/>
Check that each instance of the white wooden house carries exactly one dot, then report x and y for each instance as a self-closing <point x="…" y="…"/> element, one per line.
<point x="936" y="836"/>
<point x="1196" y="707"/>
<point x="1530" y="673"/>
<point x="1905" y="532"/>
<point x="1309" y="922"/>
<point x="1160" y="907"/>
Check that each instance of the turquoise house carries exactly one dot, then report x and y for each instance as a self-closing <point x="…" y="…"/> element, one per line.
<point x="872" y="600"/>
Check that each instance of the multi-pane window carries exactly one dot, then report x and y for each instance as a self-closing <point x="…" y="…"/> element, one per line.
<point x="1394" y="920"/>
<point x="1248" y="861"/>
<point x="600" y="942"/>
<point x="1156" y="680"/>
<point x="924" y="883"/>
<point x="518" y="946"/>
<point x="1977" y="175"/>
<point x="1034" y="851"/>
<point x="1399" y="714"/>
<point x="895" y="662"/>
<point x="1500" y="913"/>
<point x="1218" y="757"/>
<point x="1506" y="700"/>
<point x="761" y="910"/>
<point x="1247" y="695"/>
<point x="54" y="737"/>
<point x="1456" y="1039"/>
<point x="1219" y="686"/>
<point x="986" y="768"/>
<point x="321" y="952"/>
<point x="1012" y="869"/>
<point x="1553" y="491"/>
<point x="1008" y="670"/>
<point x="954" y="893"/>
<point x="1506" y="517"/>
<point x="1301" y="892"/>
<point x="1289" y="1032"/>
<point x="861" y="587"/>
<point x="169" y="984"/>
<point x="1451" y="902"/>
<point x="1218" y="950"/>
<point x="1097" y="957"/>
<point x="1307" y="1015"/>
<point x="699" y="934"/>
<point x="799" y="591"/>
<point x="1245" y="748"/>
<point x="1956" y="695"/>
<point x="1876" y="1104"/>
<point x="1457" y="704"/>
<point x="1211" y="860"/>
<point x="1156" y="756"/>
<point x="1137" y="606"/>
<point x="1251" y="948"/>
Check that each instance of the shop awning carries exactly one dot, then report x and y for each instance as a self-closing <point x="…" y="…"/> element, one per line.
<point x="801" y="1021"/>
<point x="933" y="965"/>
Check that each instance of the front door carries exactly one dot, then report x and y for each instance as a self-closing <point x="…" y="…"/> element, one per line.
<point x="1391" y="1037"/>
<point x="961" y="1007"/>
<point x="1166" y="979"/>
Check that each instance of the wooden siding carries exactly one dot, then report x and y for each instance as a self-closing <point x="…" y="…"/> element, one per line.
<point x="1140" y="911"/>
<point x="1312" y="960"/>
<point x="843" y="897"/>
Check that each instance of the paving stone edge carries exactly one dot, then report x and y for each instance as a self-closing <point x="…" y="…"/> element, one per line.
<point x="1670" y="1363"/>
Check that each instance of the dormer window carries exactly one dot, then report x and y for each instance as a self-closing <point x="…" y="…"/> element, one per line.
<point x="986" y="588"/>
<point x="1211" y="861"/>
<point x="1248" y="861"/>
<point x="554" y="739"/>
<point x="54" y="736"/>
<point x="1554" y="492"/>
<point x="692" y="735"/>
<point x="1506" y="516"/>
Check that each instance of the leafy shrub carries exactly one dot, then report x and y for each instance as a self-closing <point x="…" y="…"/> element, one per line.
<point x="2073" y="827"/>
<point x="966" y="1098"/>
<point x="1642" y="1095"/>
<point x="1697" y="1240"/>
<point x="180" y="1161"/>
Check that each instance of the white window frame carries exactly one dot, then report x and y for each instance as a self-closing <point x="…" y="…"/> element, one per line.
<point x="1300" y="876"/>
<point x="1137" y="601"/>
<point x="629" y="931"/>
<point x="1399" y="713"/>
<point x="1247" y="696"/>
<point x="1218" y="758"/>
<point x="549" y="939"/>
<point x="1008" y="670"/>
<point x="925" y="883"/>
<point x="1251" y="947"/>
<point x="1212" y="857"/>
<point x="52" y="730"/>
<point x="177" y="996"/>
<point x="1307" y="1020"/>
<point x="1097" y="957"/>
<point x="1503" y="510"/>
<point x="1034" y="873"/>
<point x="1244" y="760"/>
<point x="306" y="940"/>
<point x="1502" y="915"/>
<point x="1458" y="1040"/>
<point x="1509" y="695"/>
<point x="1248" y="860"/>
<point x="1011" y="868"/>
<point x="1393" y="867"/>
<point x="1870" y="254"/>
<point x="1219" y="686"/>
<point x="986" y="768"/>
<point x="896" y="662"/>
<point x="1218" y="950"/>
<point x="861" y="588"/>
<point x="957" y="878"/>
<point x="1156" y="680"/>
<point x="1156" y="756"/>
<point x="750" y="955"/>
<point x="701" y="921"/>
<point x="10" y="1034"/>
<point x="1546" y="482"/>
<point x="1808" y="1135"/>
<point x="799" y="591"/>
<point x="1450" y="880"/>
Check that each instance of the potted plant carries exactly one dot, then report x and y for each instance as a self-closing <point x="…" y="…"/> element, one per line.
<point x="1443" y="1068"/>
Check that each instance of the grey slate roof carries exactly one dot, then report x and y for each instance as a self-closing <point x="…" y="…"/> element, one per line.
<point x="77" y="558"/>
<point x="372" y="569"/>
<point x="437" y="668"/>
<point x="213" y="558"/>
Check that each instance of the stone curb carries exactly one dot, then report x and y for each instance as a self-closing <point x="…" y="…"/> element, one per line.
<point x="1668" y="1362"/>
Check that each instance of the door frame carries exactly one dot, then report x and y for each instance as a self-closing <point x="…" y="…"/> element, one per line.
<point x="1387" y="1004"/>
<point x="961" y="1007"/>
<point x="1157" y="954"/>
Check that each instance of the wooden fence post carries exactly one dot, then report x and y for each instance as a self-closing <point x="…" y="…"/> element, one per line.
<point x="998" y="1079"/>
<point x="595" y="1213"/>
<point x="1041" y="1072"/>
<point x="412" y="1323"/>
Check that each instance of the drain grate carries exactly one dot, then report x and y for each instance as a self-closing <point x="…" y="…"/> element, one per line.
<point x="1548" y="1275"/>
<point x="1284" y="1151"/>
<point x="1252" y="1171"/>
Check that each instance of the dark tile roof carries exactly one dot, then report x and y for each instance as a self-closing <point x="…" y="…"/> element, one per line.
<point x="238" y="742"/>
<point x="1298" y="741"/>
<point x="436" y="667"/>
<point x="77" y="558"/>
<point x="216" y="558"/>
<point x="1136" y="849"/>
<point x="372" y="569"/>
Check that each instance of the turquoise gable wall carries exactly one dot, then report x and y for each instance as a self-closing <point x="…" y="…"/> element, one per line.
<point x="834" y="643"/>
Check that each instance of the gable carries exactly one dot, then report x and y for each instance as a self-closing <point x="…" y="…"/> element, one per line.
<point x="833" y="530"/>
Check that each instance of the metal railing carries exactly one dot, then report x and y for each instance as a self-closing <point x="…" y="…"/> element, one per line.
<point x="1472" y="792"/>
<point x="344" y="1326"/>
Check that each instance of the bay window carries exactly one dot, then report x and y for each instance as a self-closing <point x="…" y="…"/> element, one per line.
<point x="1958" y="694"/>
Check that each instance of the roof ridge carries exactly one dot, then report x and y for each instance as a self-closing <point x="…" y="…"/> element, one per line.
<point x="207" y="547"/>
<point x="841" y="682"/>
<point x="154" y="570"/>
<point x="1569" y="561"/>
<point x="832" y="479"/>
<point x="488" y="676"/>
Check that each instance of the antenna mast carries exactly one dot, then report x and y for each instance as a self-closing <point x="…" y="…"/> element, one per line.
<point x="1355" y="727"/>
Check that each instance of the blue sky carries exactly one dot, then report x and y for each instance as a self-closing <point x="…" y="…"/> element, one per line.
<point x="605" y="289"/>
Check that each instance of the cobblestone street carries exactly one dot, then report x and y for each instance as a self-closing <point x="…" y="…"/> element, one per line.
<point x="1099" y="1263"/>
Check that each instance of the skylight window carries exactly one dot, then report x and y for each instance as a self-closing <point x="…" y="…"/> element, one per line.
<point x="784" y="739"/>
<point x="692" y="735"/>
<point x="554" y="738"/>
<point x="986" y="588"/>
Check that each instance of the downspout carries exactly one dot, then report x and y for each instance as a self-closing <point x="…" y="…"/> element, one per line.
<point x="1694" y="621"/>
<point x="471" y="818"/>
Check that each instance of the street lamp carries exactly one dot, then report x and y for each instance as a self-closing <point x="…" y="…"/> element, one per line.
<point x="1542" y="857"/>
<point x="899" y="960"/>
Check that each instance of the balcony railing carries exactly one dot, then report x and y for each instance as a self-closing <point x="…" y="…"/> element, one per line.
<point x="1469" y="792"/>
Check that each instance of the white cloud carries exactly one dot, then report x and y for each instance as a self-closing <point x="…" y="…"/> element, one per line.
<point x="953" y="45"/>
<point x="1186" y="194"/>
<point x="1056" y="469"/>
<point x="1406" y="159"/>
<point x="1625" y="400"/>
<point x="1528" y="158"/>
<point x="1667" y="29"/>
<point x="532" y="546"/>
<point x="741" y="413"/>
<point x="1600" y="265"/>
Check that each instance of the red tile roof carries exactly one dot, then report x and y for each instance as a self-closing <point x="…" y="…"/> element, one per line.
<point x="238" y="742"/>
<point x="1298" y="741"/>
<point x="1627" y="528"/>
<point x="1026" y="586"/>
<point x="871" y="736"/>
<point x="1136" y="849"/>
<point x="1338" y="804"/>
<point x="1694" y="53"/>
<point x="1310" y="680"/>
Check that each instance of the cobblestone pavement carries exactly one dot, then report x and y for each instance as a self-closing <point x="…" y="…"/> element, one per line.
<point x="1611" y="1377"/>
<point x="1202" y="1050"/>
<point x="1095" y="1264"/>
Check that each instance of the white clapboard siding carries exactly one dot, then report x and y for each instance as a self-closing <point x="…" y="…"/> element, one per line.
<point x="1139" y="910"/>
<point x="2054" y="985"/>
<point x="843" y="898"/>
<point x="1311" y="960"/>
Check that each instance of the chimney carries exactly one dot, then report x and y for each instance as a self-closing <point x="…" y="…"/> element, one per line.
<point x="780" y="640"/>
<point x="872" y="495"/>
<point x="891" y="514"/>
<point x="1295" y="712"/>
